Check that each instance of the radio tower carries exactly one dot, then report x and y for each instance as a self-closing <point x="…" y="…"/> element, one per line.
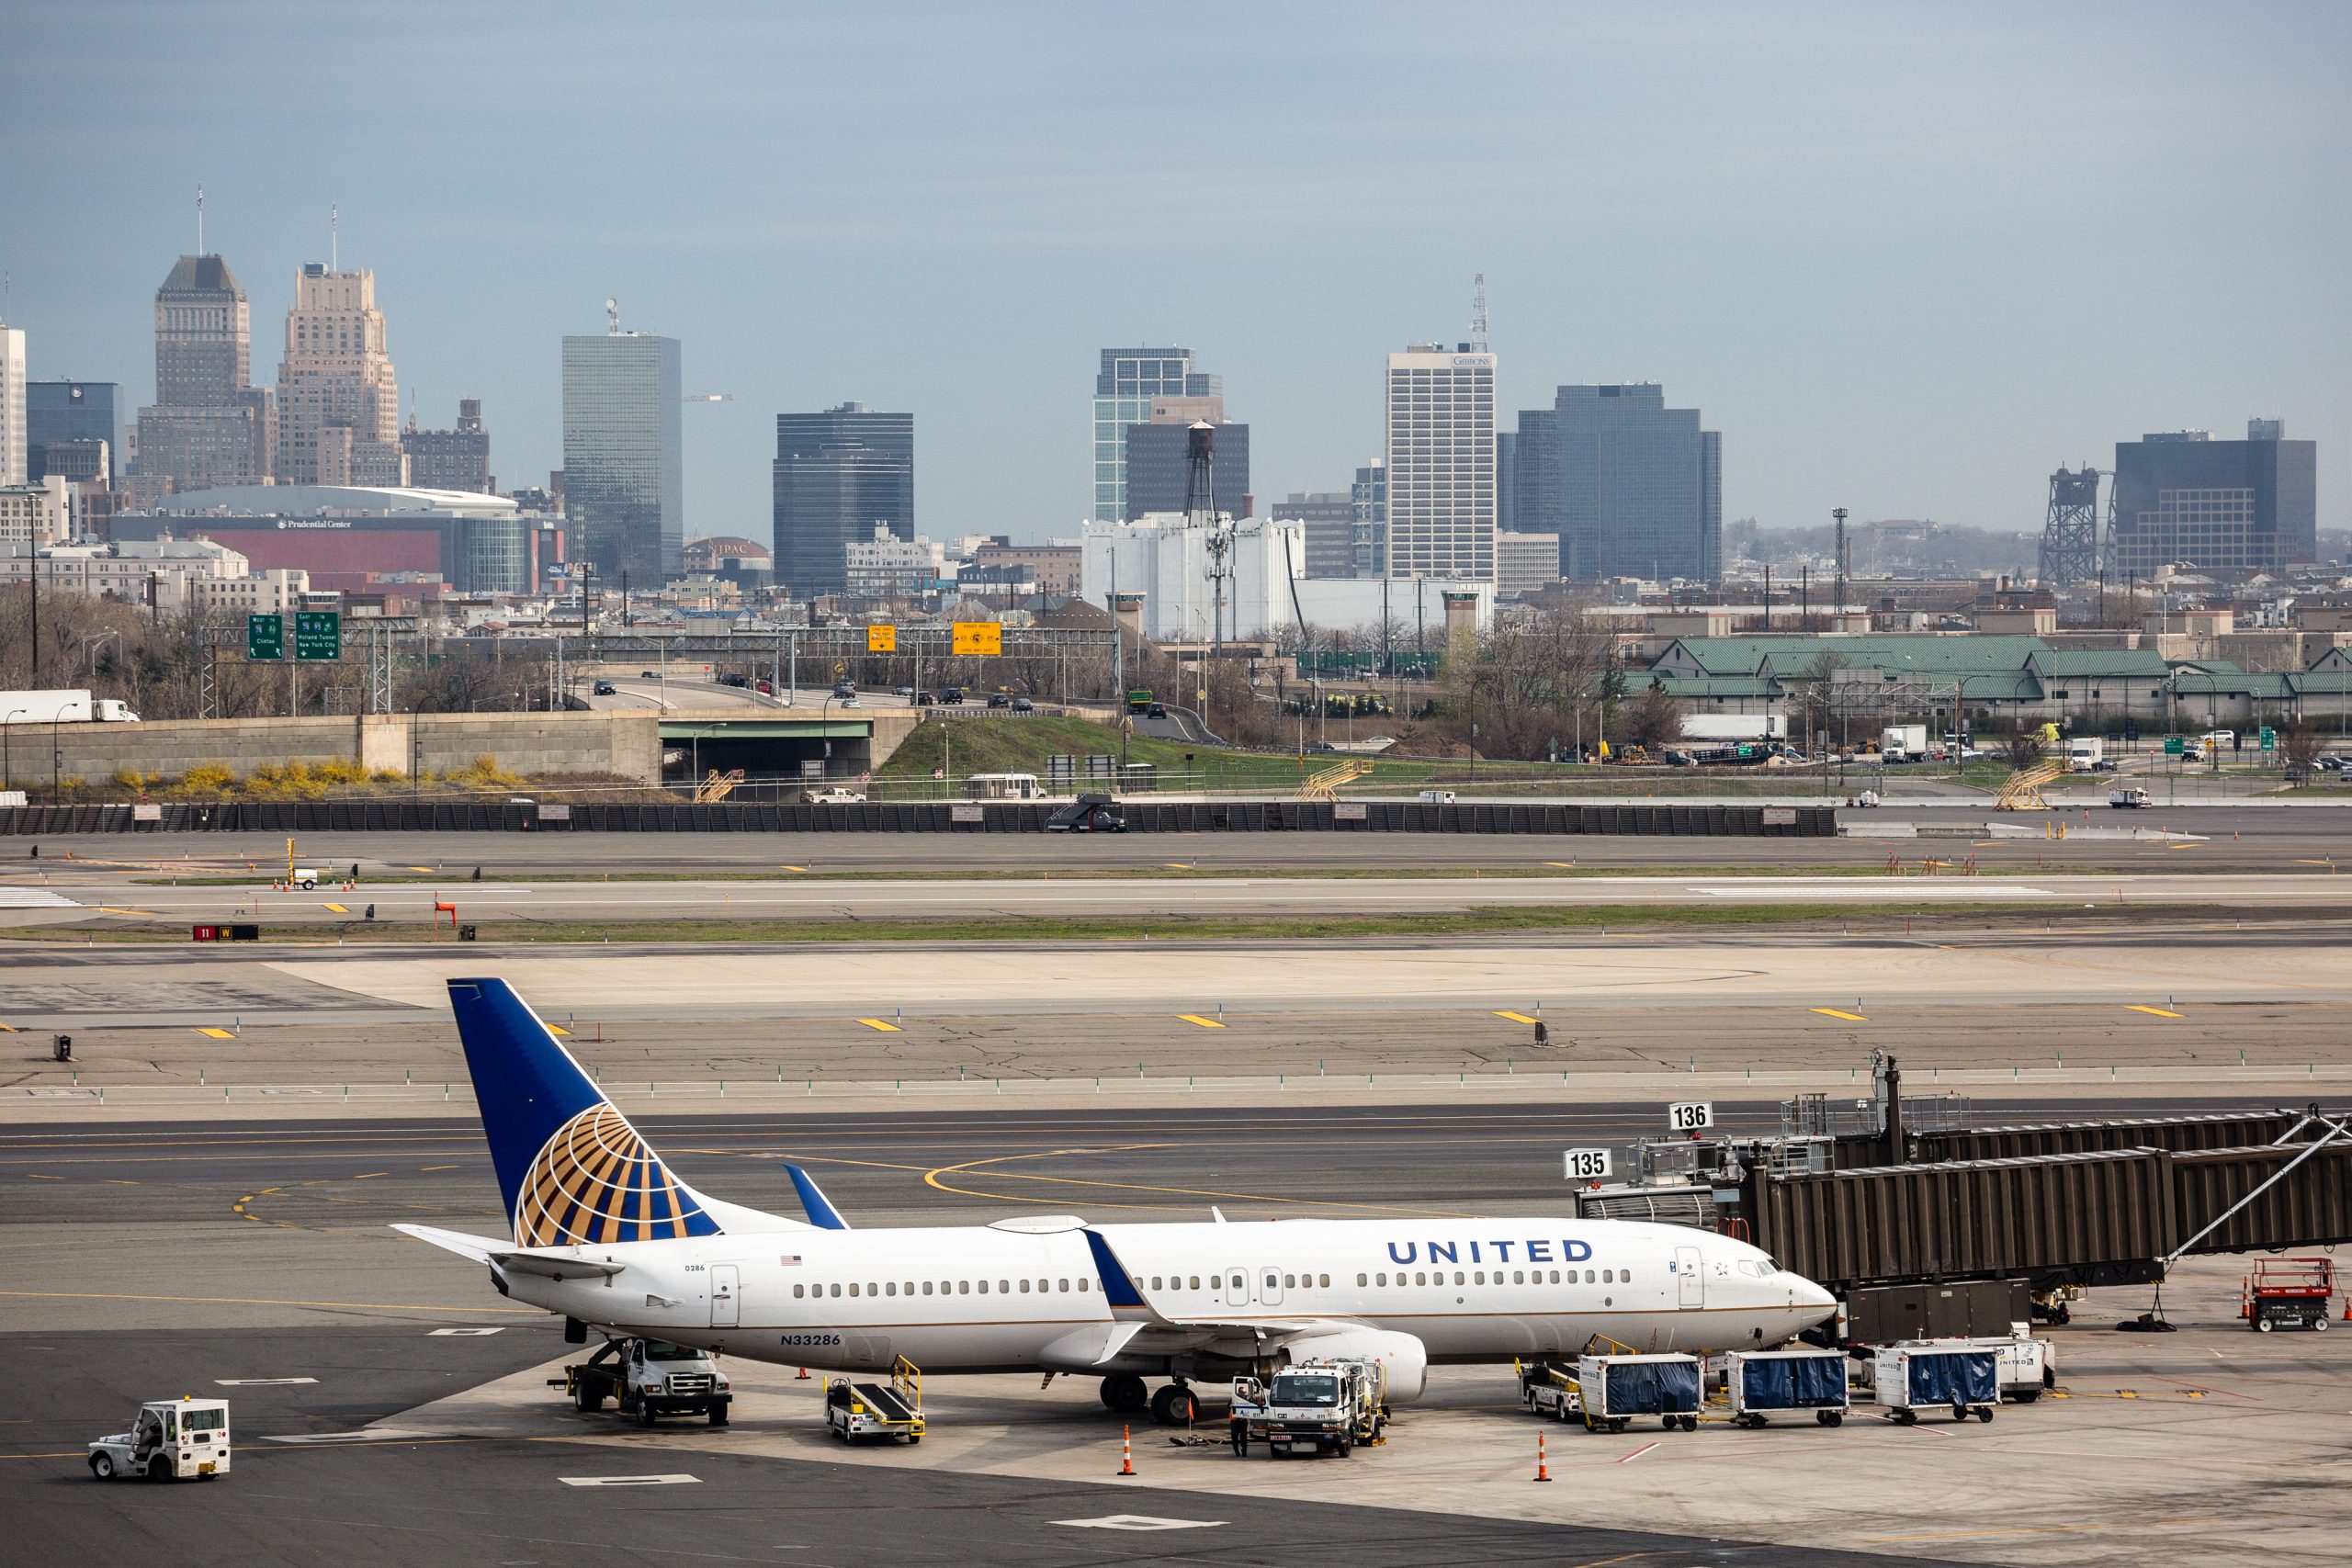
<point x="2070" y="535"/>
<point x="1478" y="314"/>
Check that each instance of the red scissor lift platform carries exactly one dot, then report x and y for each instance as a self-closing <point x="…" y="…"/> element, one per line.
<point x="2291" y="1293"/>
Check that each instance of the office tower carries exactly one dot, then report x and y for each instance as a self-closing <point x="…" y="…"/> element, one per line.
<point x="1369" y="495"/>
<point x="1441" y="461"/>
<point x="1633" y="487"/>
<point x="1125" y="388"/>
<point x="2229" y="508"/>
<point x="338" y="409"/>
<point x="1525" y="563"/>
<point x="623" y="465"/>
<point x="1506" y="480"/>
<point x="1157" y="456"/>
<point x="1330" y="520"/>
<point x="450" y="459"/>
<point x="208" y="427"/>
<point x="70" y="411"/>
<point x="14" y="438"/>
<point x="837" y="475"/>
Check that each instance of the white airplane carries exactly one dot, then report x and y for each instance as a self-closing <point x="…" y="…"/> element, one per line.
<point x="604" y="1235"/>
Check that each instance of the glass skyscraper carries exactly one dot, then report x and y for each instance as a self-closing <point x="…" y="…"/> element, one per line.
<point x="1633" y="487"/>
<point x="2231" y="508"/>
<point x="1124" y="389"/>
<point x="623" y="464"/>
<point x="837" y="474"/>
<point x="70" y="411"/>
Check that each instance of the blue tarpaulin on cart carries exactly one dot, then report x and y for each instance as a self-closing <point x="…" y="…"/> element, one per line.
<point x="1652" y="1388"/>
<point x="1794" y="1382"/>
<point x="1954" y="1377"/>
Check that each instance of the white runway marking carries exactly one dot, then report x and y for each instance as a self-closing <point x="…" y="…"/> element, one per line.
<point x="1138" y="1522"/>
<point x="464" y="1333"/>
<point x="1908" y="889"/>
<point x="260" y="1383"/>
<point x="17" y="897"/>
<point x="673" y="1480"/>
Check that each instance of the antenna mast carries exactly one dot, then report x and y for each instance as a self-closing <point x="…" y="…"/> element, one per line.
<point x="334" y="239"/>
<point x="612" y="318"/>
<point x="199" y="221"/>
<point x="1478" y="314"/>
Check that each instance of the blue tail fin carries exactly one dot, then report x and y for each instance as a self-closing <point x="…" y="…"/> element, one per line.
<point x="569" y="1166"/>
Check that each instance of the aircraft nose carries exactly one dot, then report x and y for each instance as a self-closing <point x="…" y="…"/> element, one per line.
<point x="1803" y="1292"/>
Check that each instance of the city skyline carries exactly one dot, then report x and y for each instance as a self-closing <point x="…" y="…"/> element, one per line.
<point x="1988" y="320"/>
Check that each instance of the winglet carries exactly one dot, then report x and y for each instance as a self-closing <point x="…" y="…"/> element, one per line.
<point x="1117" y="1287"/>
<point x="820" y="1210"/>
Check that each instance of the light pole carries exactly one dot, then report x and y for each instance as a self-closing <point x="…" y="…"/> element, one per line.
<point x="7" y="733"/>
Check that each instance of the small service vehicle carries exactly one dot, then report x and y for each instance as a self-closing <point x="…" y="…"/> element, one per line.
<point x="1315" y="1406"/>
<point x="1087" y="814"/>
<point x="171" y="1439"/>
<point x="649" y="1378"/>
<point x="2133" y="798"/>
<point x="855" y="1410"/>
<point x="832" y="795"/>
<point x="305" y="877"/>
<point x="2287" y="1293"/>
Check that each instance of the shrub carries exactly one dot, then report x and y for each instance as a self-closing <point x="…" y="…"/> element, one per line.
<point x="208" y="779"/>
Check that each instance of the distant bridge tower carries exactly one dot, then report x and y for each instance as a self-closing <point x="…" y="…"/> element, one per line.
<point x="2070" y="542"/>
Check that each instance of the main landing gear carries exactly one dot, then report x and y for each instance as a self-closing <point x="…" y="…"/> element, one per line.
<point x="1175" y="1405"/>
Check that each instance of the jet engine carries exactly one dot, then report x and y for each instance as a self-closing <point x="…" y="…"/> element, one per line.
<point x="1405" y="1358"/>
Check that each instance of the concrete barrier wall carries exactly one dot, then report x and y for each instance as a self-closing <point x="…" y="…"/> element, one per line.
<point x="623" y="743"/>
<point x="889" y="817"/>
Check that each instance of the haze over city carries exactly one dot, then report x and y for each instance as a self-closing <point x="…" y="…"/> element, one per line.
<point x="1907" y="259"/>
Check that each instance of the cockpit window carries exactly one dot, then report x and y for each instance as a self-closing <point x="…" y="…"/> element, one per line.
<point x="1762" y="1267"/>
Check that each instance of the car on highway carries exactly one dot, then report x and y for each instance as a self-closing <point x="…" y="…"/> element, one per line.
<point x="604" y="689"/>
<point x="1157" y="710"/>
<point x="951" y="695"/>
<point x="902" y="691"/>
<point x="1023" y="705"/>
<point x="765" y="687"/>
<point x="740" y="682"/>
<point x="649" y="675"/>
<point x="999" y="699"/>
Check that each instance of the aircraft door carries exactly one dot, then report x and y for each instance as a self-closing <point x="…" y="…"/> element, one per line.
<point x="1270" y="1281"/>
<point x="1235" y="1283"/>
<point x="1691" y="1277"/>
<point x="726" y="1285"/>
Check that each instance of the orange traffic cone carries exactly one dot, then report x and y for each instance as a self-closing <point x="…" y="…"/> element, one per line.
<point x="1127" y="1453"/>
<point x="1542" y="1468"/>
<point x="803" y="1377"/>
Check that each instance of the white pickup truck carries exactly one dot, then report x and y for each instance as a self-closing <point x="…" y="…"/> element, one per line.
<point x="172" y="1440"/>
<point x="649" y="1378"/>
<point x="2130" y="798"/>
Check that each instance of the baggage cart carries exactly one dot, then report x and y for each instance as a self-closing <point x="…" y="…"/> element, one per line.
<point x="1612" y="1389"/>
<point x="1912" y="1378"/>
<point x="1763" y="1384"/>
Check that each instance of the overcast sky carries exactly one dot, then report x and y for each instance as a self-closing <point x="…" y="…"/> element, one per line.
<point x="1907" y="258"/>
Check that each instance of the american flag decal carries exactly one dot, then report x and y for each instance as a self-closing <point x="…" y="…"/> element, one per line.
<point x="790" y="1260"/>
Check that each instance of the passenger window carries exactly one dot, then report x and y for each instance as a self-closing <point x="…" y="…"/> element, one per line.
<point x="910" y="1287"/>
<point x="1197" y="1281"/>
<point x="962" y="1287"/>
<point x="1362" y="1280"/>
<point x="1482" y="1277"/>
<point x="891" y="1288"/>
<point x="1382" y="1279"/>
<point x="1064" y="1285"/>
<point x="1588" y="1278"/>
<point x="1556" y="1277"/>
<point x="1323" y="1279"/>
<point x="1457" y="1278"/>
<point x="1419" y="1278"/>
<point x="926" y="1287"/>
<point x="1082" y="1285"/>
<point x="1517" y="1278"/>
<point x="984" y="1287"/>
<point x="837" y="1289"/>
<point x="799" y="1291"/>
<point x="1155" y="1281"/>
<point x="872" y="1289"/>
<point x="1004" y="1287"/>
<point x="1290" y="1282"/>
<point x="853" y="1290"/>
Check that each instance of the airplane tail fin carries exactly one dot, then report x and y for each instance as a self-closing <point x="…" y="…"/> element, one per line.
<point x="570" y="1168"/>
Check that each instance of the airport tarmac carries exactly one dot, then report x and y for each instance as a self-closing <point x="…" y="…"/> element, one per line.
<point x="153" y="1259"/>
<point x="571" y="905"/>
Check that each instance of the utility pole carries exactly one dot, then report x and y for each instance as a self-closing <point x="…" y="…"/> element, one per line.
<point x="1839" y="513"/>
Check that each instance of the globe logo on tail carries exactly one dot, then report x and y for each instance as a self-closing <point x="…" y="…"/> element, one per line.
<point x="596" y="1181"/>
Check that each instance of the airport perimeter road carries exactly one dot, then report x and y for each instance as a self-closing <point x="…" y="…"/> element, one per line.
<point x="1201" y="895"/>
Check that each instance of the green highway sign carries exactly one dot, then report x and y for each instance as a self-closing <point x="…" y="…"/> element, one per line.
<point x="318" y="633"/>
<point x="2175" y="745"/>
<point x="264" y="637"/>
<point x="2269" y="738"/>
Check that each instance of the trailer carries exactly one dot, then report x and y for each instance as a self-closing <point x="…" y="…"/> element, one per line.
<point x="1762" y="1383"/>
<point x="1611" y="1390"/>
<point x="1908" y="1379"/>
<point x="2292" y="1292"/>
